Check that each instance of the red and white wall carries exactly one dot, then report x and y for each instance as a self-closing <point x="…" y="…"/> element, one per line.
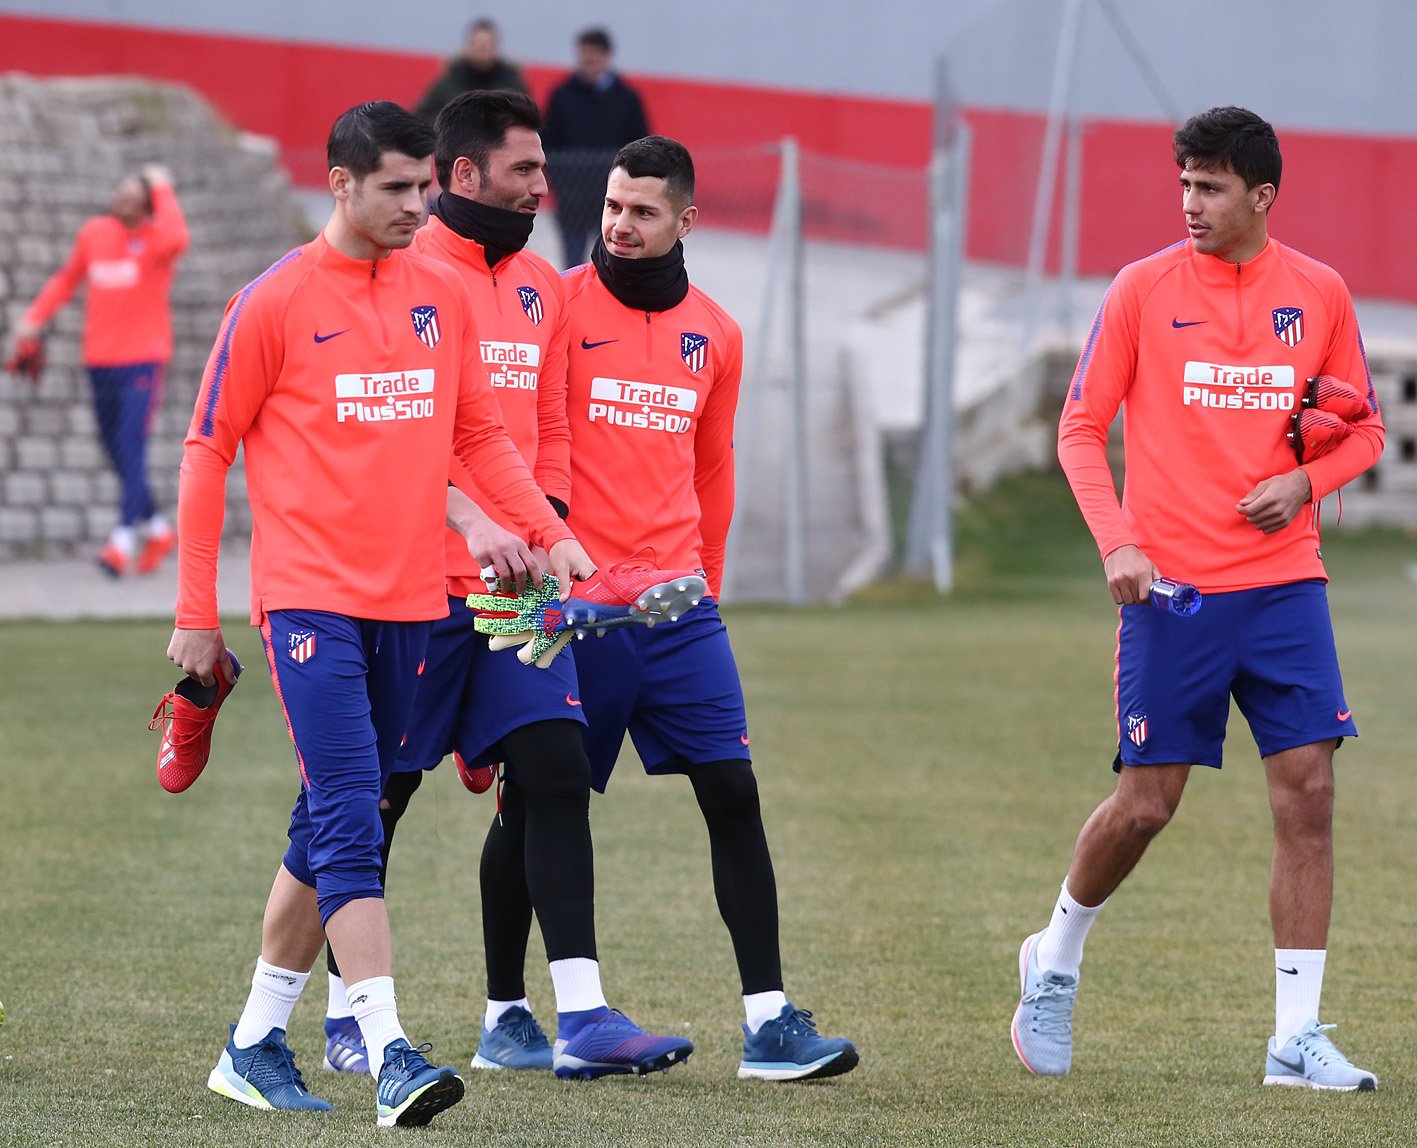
<point x="1340" y="199"/>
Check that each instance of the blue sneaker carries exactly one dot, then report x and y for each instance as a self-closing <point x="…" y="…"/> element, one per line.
<point x="611" y="1043"/>
<point x="264" y="1076"/>
<point x="411" y="1091"/>
<point x="1309" y="1060"/>
<point x="344" y="1046"/>
<point x="1043" y="1022"/>
<point x="788" y="1047"/>
<point x="516" y="1041"/>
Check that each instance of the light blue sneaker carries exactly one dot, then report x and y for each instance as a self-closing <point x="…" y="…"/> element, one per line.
<point x="1309" y="1060"/>
<point x="610" y="1043"/>
<point x="263" y="1076"/>
<point x="344" y="1046"/>
<point x="1043" y="1022"/>
<point x="788" y="1047"/>
<point x="411" y="1091"/>
<point x="516" y="1041"/>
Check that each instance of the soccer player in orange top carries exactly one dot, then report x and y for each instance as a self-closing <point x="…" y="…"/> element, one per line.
<point x="348" y="371"/>
<point x="125" y="260"/>
<point x="1209" y="345"/>
<point x="653" y="377"/>
<point x="485" y="705"/>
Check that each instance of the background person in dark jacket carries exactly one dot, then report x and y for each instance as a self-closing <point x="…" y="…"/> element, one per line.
<point x="479" y="68"/>
<point x="591" y="115"/>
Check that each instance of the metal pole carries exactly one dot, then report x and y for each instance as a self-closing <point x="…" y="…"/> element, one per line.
<point x="930" y="544"/>
<point x="755" y="374"/>
<point x="795" y="558"/>
<point x="1071" y="224"/>
<point x="1048" y="167"/>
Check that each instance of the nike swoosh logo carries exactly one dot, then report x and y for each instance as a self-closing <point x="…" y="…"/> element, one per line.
<point x="1193" y="323"/>
<point x="1294" y="972"/>
<point x="1343" y="715"/>
<point x="587" y="346"/>
<point x="570" y="701"/>
<point x="743" y="738"/>
<point x="1291" y="1065"/>
<point x="319" y="338"/>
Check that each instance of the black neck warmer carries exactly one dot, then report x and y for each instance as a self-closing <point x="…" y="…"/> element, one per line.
<point x="501" y="232"/>
<point x="643" y="284"/>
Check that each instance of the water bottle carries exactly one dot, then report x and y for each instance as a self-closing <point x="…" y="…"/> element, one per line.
<point x="1179" y="598"/>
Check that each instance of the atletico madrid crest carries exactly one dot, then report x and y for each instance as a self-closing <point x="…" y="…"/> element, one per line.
<point x="302" y="645"/>
<point x="531" y="304"/>
<point x="1289" y="325"/>
<point x="1137" y="729"/>
<point x="694" y="348"/>
<point x="425" y="325"/>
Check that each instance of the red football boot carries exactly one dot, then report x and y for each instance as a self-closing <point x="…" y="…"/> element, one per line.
<point x="186" y="717"/>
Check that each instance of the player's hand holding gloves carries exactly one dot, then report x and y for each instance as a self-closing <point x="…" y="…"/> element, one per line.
<point x="1325" y="417"/>
<point x="630" y="593"/>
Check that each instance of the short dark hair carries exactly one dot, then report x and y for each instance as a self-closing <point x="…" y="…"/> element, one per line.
<point x="595" y="38"/>
<point x="664" y="158"/>
<point x="363" y="134"/>
<point x="481" y="24"/>
<point x="475" y="124"/>
<point x="1230" y="137"/>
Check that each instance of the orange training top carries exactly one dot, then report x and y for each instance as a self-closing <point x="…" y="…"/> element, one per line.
<point x="652" y="398"/>
<point x="128" y="273"/>
<point x="521" y="324"/>
<point x="347" y="383"/>
<point x="1208" y="360"/>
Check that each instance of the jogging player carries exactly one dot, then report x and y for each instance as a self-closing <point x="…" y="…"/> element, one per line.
<point x="1209" y="345"/>
<point x="654" y="368"/>
<point x="484" y="705"/>
<point x="125" y="261"/>
<point x="348" y="371"/>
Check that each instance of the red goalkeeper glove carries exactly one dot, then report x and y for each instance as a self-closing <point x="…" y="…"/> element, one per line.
<point x="27" y="361"/>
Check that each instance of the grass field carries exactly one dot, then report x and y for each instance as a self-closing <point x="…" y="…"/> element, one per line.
<point x="925" y="766"/>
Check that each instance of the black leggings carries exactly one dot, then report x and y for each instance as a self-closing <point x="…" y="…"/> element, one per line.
<point x="538" y="853"/>
<point x="743" y="881"/>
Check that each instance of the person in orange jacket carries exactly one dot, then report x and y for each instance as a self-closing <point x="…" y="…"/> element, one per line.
<point x="125" y="259"/>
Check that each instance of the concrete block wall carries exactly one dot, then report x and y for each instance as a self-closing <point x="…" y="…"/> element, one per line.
<point x="64" y="144"/>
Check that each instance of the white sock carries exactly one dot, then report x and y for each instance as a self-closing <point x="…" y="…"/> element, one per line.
<point x="376" y="1009"/>
<point x="274" y="992"/>
<point x="763" y="1007"/>
<point x="123" y="540"/>
<point x="1298" y="981"/>
<point x="577" y="984"/>
<point x="338" y="1006"/>
<point x="496" y="1010"/>
<point x="1060" y="948"/>
<point x="157" y="526"/>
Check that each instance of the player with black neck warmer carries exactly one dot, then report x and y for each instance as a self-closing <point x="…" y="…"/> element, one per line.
<point x="652" y="380"/>
<point x="483" y="706"/>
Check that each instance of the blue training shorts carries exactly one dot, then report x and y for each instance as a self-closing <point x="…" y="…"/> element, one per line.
<point x="469" y="697"/>
<point x="346" y="686"/>
<point x="674" y="687"/>
<point x="1270" y="647"/>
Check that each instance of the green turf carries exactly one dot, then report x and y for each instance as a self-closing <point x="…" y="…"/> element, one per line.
<point x="925" y="766"/>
